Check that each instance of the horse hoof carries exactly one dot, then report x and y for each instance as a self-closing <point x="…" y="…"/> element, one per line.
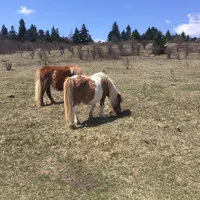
<point x="72" y="126"/>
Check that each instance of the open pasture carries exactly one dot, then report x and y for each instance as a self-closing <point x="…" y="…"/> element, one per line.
<point x="153" y="153"/>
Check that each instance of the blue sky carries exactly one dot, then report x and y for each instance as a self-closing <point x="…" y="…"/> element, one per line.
<point x="99" y="16"/>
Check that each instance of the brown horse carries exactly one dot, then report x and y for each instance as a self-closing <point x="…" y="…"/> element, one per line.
<point x="89" y="90"/>
<point x="52" y="75"/>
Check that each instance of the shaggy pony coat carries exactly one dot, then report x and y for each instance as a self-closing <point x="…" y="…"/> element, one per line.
<point x="52" y="75"/>
<point x="89" y="90"/>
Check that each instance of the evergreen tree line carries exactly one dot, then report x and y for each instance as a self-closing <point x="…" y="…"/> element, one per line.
<point x="31" y="34"/>
<point x="82" y="36"/>
<point x="152" y="33"/>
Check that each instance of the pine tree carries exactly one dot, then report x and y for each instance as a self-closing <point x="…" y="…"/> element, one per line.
<point x="183" y="35"/>
<point x="136" y="35"/>
<point x="159" y="43"/>
<point x="123" y="35"/>
<point x="41" y="34"/>
<point x="85" y="37"/>
<point x="188" y="38"/>
<point x="76" y="37"/>
<point x="4" y="31"/>
<point x="31" y="33"/>
<point x="110" y="34"/>
<point x="114" y="34"/>
<point x="57" y="34"/>
<point x="128" y="32"/>
<point x="54" y="34"/>
<point x="150" y="33"/>
<point x="168" y="36"/>
<point x="47" y="36"/>
<point x="12" y="33"/>
<point x="22" y="30"/>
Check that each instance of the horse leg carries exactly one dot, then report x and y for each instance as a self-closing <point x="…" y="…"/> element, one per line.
<point x="101" y="113"/>
<point x="72" y="124"/>
<point x="43" y="90"/>
<point x="76" y="120"/>
<point x="41" y="97"/>
<point x="48" y="91"/>
<point x="91" y="111"/>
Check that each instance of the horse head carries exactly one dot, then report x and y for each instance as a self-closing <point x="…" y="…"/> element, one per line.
<point x="117" y="104"/>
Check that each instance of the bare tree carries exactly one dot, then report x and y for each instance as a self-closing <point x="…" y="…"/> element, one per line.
<point x="43" y="56"/>
<point x="80" y="52"/>
<point x="94" y="52"/>
<point x="178" y="40"/>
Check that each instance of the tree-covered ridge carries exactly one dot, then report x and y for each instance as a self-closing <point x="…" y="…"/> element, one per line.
<point x="82" y="36"/>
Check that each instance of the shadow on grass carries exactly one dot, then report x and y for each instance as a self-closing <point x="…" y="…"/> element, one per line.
<point x="97" y="121"/>
<point x="56" y="103"/>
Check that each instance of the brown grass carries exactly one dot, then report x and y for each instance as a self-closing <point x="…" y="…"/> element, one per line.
<point x="151" y="154"/>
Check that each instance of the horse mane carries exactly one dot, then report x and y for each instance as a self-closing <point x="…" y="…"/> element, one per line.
<point x="75" y="70"/>
<point x="113" y="92"/>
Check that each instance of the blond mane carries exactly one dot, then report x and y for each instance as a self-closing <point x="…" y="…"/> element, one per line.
<point x="75" y="70"/>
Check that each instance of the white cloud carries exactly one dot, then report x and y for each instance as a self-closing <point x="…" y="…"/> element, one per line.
<point x="99" y="41"/>
<point x="192" y="28"/>
<point x="167" y="21"/>
<point x="25" y="11"/>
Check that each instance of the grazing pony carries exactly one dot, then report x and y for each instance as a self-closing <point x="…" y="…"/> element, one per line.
<point x="89" y="90"/>
<point x="52" y="75"/>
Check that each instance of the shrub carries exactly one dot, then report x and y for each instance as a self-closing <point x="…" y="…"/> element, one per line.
<point x="112" y="53"/>
<point x="186" y="49"/>
<point x="144" y="43"/>
<point x="80" y="53"/>
<point x="168" y="52"/>
<point x="127" y="63"/>
<point x="138" y="47"/>
<point x="133" y="44"/>
<point x="43" y="57"/>
<point x="94" y="52"/>
<point x="178" y="40"/>
<point x="61" y="49"/>
<point x="101" y="53"/>
<point x="123" y="51"/>
<point x="7" y="64"/>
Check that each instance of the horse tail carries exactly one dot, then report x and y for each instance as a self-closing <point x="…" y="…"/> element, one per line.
<point x="68" y="97"/>
<point x="38" y="87"/>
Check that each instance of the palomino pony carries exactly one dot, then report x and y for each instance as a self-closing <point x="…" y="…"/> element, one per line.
<point x="89" y="90"/>
<point x="52" y="75"/>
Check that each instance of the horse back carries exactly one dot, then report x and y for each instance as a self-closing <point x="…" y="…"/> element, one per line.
<point x="84" y="89"/>
<point x="59" y="76"/>
<point x="55" y="75"/>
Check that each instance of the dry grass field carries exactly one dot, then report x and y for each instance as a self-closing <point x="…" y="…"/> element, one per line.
<point x="153" y="153"/>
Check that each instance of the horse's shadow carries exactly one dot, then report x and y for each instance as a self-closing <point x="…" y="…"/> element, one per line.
<point x="97" y="121"/>
<point x="56" y="103"/>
